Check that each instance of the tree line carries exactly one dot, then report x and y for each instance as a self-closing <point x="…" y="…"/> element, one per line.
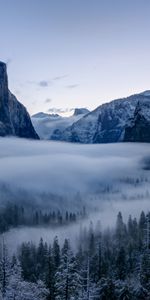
<point x="12" y="216"/>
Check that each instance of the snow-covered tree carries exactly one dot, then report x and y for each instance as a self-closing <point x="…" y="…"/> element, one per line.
<point x="5" y="268"/>
<point x="18" y="289"/>
<point x="67" y="278"/>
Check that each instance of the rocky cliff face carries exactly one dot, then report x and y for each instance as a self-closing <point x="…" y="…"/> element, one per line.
<point x="14" y="118"/>
<point x="138" y="129"/>
<point x="81" y="111"/>
<point x="5" y="122"/>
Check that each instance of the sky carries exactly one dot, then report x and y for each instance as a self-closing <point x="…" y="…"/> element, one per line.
<point x="75" y="53"/>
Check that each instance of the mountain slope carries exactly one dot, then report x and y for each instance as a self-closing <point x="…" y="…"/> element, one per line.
<point x="105" y="124"/>
<point x="14" y="118"/>
<point x="112" y="122"/>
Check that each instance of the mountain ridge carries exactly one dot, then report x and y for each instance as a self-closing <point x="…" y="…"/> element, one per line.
<point x="111" y="122"/>
<point x="105" y="124"/>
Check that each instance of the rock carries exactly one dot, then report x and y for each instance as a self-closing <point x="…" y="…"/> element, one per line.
<point x="80" y="111"/>
<point x="138" y="129"/>
<point x="14" y="118"/>
<point x="5" y="122"/>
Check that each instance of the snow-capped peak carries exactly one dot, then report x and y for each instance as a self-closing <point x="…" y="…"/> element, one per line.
<point x="42" y="115"/>
<point x="146" y="93"/>
<point x="80" y="111"/>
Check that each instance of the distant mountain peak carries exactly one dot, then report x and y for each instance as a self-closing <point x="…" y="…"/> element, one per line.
<point x="146" y="93"/>
<point x="80" y="111"/>
<point x="42" y="115"/>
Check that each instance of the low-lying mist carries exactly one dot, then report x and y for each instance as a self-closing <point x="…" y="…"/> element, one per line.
<point x="35" y="171"/>
<point x="106" y="218"/>
<point x="104" y="178"/>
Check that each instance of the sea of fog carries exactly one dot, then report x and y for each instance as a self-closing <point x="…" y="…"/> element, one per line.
<point x="105" y="178"/>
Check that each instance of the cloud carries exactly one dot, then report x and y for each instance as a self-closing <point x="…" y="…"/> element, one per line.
<point x="59" y="77"/>
<point x="41" y="83"/>
<point x="59" y="110"/>
<point x="44" y="83"/>
<point x="61" y="167"/>
<point x="48" y="100"/>
<point x="72" y="86"/>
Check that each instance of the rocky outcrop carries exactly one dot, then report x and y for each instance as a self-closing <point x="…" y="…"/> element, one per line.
<point x="138" y="129"/>
<point x="5" y="122"/>
<point x="80" y="111"/>
<point x="14" y="118"/>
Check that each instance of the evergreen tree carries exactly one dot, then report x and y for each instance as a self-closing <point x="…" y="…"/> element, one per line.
<point x="121" y="264"/>
<point x="107" y="289"/>
<point x="67" y="279"/>
<point x="5" y="268"/>
<point x="145" y="270"/>
<point x="50" y="275"/>
<point x="56" y="253"/>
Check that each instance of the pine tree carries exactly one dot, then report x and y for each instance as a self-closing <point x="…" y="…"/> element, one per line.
<point x="145" y="259"/>
<point x="17" y="289"/>
<point x="13" y="286"/>
<point x="124" y="293"/>
<point x="56" y="253"/>
<point x="121" y="264"/>
<point x="28" y="261"/>
<point x="67" y="279"/>
<point x="42" y="256"/>
<point x="107" y="289"/>
<point x="140" y="293"/>
<point x="121" y="232"/>
<point x="50" y="275"/>
<point x="5" y="268"/>
<point x="145" y="270"/>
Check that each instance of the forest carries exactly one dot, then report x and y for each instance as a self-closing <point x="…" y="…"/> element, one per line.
<point x="14" y="216"/>
<point x="112" y="263"/>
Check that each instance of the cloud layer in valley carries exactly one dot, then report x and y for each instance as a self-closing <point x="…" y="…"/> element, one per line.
<point x="105" y="172"/>
<point x="106" y="178"/>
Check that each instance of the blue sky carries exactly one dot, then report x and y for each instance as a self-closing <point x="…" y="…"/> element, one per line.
<point x="75" y="53"/>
